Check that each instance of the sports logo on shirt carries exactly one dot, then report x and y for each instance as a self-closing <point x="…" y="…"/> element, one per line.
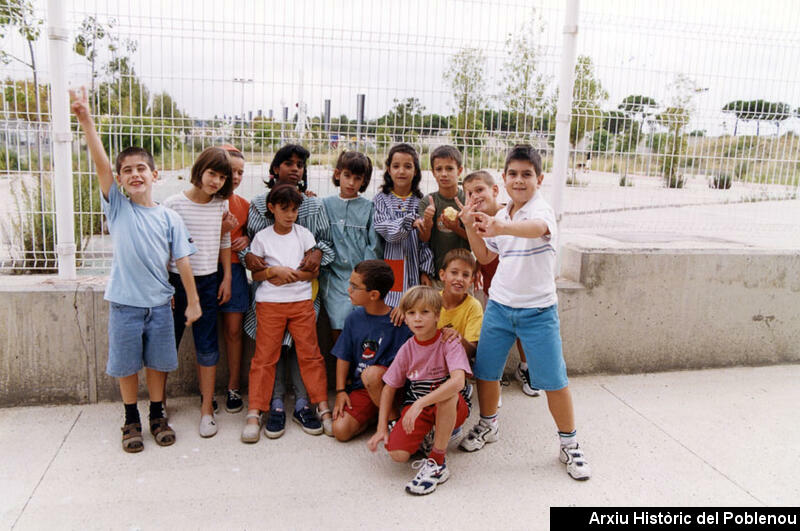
<point x="369" y="347"/>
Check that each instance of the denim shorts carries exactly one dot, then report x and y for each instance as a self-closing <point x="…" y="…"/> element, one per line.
<point x="537" y="329"/>
<point x="204" y="330"/>
<point x="240" y="290"/>
<point x="140" y="337"/>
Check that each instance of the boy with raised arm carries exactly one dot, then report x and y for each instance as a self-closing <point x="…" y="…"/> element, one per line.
<point x="522" y="304"/>
<point x="144" y="235"/>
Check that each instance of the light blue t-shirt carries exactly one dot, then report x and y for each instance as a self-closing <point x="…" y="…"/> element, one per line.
<point x="144" y="239"/>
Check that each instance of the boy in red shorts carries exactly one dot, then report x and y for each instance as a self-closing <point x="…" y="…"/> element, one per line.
<point x="435" y="372"/>
<point x="366" y="347"/>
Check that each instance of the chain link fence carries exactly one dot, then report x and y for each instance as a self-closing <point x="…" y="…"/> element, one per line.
<point x="684" y="116"/>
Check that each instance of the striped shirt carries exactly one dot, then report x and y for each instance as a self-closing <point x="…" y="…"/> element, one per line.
<point x="404" y="251"/>
<point x="421" y="367"/>
<point x="310" y="215"/>
<point x="204" y="221"/>
<point x="525" y="276"/>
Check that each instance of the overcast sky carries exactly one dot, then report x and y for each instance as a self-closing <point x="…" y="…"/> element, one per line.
<point x="387" y="49"/>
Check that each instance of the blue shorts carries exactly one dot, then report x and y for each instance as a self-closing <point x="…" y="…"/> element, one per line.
<point x="140" y="337"/>
<point x="537" y="329"/>
<point x="240" y="290"/>
<point x="204" y="330"/>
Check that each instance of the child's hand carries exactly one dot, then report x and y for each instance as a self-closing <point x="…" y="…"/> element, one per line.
<point x="193" y="312"/>
<point x="310" y="193"/>
<point x="450" y="334"/>
<point x="381" y="434"/>
<point x="229" y="222"/>
<point x="397" y="316"/>
<point x="467" y="212"/>
<point x="425" y="280"/>
<point x="478" y="284"/>
<point x="224" y="293"/>
<point x="410" y="417"/>
<point x="311" y="261"/>
<point x="451" y="224"/>
<point x="418" y="224"/>
<point x="342" y="401"/>
<point x="79" y="103"/>
<point x="254" y="263"/>
<point x="430" y="210"/>
<point x="240" y="244"/>
<point x="286" y="275"/>
<point x="486" y="225"/>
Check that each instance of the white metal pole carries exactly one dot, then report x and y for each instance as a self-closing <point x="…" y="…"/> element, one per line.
<point x="566" y="82"/>
<point x="58" y="47"/>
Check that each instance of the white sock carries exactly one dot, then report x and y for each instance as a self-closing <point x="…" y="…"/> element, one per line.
<point x="568" y="439"/>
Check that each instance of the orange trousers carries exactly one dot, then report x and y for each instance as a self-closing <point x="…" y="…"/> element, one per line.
<point x="273" y="319"/>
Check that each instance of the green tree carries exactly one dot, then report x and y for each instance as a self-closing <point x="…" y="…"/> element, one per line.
<point x="465" y="75"/>
<point x="524" y="85"/>
<point x="588" y="95"/>
<point x="615" y="122"/>
<point x="21" y="15"/>
<point x="405" y="117"/>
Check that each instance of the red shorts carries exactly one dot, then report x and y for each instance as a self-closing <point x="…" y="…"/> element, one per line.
<point x="400" y="440"/>
<point x="361" y="408"/>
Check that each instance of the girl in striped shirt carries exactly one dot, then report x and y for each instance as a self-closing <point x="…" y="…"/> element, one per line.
<point x="396" y="205"/>
<point x="203" y="208"/>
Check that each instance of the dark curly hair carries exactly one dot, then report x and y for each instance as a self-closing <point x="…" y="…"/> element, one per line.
<point x="285" y="153"/>
<point x="387" y="185"/>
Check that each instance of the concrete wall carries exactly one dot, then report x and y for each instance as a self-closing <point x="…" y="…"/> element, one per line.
<point x="646" y="311"/>
<point x="621" y="311"/>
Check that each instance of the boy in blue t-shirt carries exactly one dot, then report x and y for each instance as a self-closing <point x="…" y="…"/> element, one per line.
<point x="145" y="236"/>
<point x="366" y="347"/>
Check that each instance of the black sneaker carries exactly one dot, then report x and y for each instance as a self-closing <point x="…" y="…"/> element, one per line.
<point x="308" y="420"/>
<point x="233" y="403"/>
<point x="276" y="424"/>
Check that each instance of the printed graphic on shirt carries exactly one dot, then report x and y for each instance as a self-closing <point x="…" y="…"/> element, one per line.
<point x="369" y="347"/>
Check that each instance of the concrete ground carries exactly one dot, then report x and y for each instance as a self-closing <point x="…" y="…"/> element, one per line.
<point x="713" y="437"/>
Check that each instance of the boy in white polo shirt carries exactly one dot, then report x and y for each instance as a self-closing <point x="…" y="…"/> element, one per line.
<point x="522" y="304"/>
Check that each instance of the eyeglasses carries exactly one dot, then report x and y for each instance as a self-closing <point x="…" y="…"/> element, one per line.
<point x="356" y="288"/>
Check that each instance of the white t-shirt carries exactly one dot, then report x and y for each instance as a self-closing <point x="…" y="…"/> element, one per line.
<point x="283" y="250"/>
<point x="525" y="276"/>
<point x="204" y="221"/>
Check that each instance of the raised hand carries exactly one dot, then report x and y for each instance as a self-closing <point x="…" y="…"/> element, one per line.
<point x="486" y="225"/>
<point x="467" y="212"/>
<point x="79" y="104"/>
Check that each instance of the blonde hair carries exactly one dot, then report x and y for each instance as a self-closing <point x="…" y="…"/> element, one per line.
<point x="424" y="296"/>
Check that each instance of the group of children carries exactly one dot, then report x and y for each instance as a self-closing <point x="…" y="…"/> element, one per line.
<point x="405" y="350"/>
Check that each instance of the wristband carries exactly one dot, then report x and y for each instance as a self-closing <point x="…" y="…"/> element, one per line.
<point x="341" y="391"/>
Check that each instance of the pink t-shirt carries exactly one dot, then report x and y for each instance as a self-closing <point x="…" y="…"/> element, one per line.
<point x="426" y="365"/>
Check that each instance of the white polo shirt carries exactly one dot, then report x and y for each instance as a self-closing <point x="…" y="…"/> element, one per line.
<point x="525" y="276"/>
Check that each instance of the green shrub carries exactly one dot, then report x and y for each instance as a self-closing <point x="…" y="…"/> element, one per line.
<point x="722" y="181"/>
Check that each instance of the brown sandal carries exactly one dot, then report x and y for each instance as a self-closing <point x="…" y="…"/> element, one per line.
<point x="132" y="441"/>
<point x="162" y="432"/>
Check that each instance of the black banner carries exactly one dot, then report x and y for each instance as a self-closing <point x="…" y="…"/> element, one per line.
<point x="657" y="518"/>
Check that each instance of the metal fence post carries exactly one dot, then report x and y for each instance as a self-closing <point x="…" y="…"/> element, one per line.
<point x="58" y="47"/>
<point x="566" y="82"/>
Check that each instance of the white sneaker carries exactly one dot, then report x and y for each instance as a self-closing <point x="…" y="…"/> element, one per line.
<point x="481" y="433"/>
<point x="208" y="426"/>
<point x="577" y="467"/>
<point x="327" y="424"/>
<point x="428" y="477"/>
<point x="252" y="432"/>
<point x="523" y="377"/>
